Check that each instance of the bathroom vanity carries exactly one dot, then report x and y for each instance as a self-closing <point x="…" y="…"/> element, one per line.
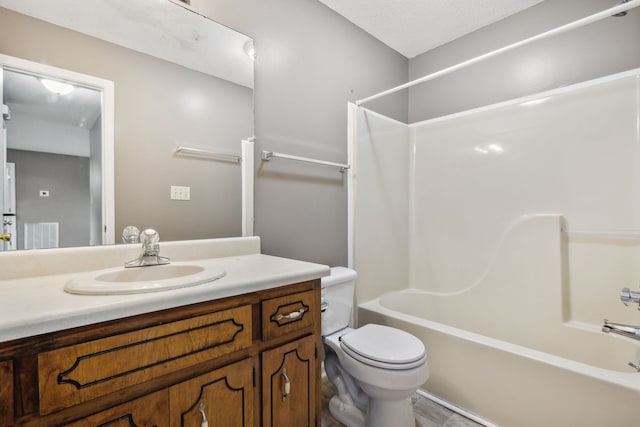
<point x="244" y="350"/>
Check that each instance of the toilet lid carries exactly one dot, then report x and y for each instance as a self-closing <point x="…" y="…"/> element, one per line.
<point x="384" y="347"/>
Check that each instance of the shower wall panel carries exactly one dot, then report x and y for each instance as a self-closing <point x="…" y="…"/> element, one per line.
<point x="381" y="205"/>
<point x="573" y="152"/>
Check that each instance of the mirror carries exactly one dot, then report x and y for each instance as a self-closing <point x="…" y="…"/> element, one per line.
<point x="179" y="79"/>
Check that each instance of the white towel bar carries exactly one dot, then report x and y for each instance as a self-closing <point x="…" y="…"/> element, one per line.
<point x="208" y="154"/>
<point x="268" y="155"/>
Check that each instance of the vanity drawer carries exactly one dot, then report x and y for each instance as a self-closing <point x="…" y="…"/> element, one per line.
<point x="286" y="314"/>
<point x="78" y="373"/>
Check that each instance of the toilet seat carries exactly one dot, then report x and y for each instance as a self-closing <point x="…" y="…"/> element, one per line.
<point x="384" y="347"/>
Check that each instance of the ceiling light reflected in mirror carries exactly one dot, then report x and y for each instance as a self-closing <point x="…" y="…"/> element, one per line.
<point x="57" y="87"/>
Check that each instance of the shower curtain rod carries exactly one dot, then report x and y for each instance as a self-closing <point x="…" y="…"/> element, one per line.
<point x="572" y="25"/>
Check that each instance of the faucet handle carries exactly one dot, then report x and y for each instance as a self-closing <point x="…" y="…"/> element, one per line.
<point x="130" y="234"/>
<point x="628" y="296"/>
<point x="149" y="236"/>
<point x="625" y="296"/>
<point x="150" y="240"/>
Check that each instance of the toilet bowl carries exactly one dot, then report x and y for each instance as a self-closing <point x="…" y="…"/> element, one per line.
<point x="375" y="369"/>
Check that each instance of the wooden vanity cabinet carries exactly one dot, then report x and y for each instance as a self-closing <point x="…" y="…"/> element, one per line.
<point x="6" y="392"/>
<point x="224" y="397"/>
<point x="150" y="410"/>
<point x="248" y="360"/>
<point x="291" y="371"/>
<point x="289" y="384"/>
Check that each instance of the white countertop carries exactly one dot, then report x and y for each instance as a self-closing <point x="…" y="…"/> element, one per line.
<point x="35" y="305"/>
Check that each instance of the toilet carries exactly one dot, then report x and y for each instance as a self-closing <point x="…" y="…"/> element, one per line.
<point x="375" y="369"/>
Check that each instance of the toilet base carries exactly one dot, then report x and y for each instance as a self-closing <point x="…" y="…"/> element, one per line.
<point x="346" y="413"/>
<point x="380" y="413"/>
<point x="384" y="413"/>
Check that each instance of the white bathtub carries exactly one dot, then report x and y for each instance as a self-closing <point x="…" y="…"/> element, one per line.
<point x="581" y="378"/>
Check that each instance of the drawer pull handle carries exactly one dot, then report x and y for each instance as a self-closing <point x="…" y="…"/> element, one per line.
<point x="292" y="315"/>
<point x="205" y="423"/>
<point x="287" y="384"/>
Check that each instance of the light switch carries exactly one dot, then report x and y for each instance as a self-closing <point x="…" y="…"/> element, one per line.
<point x="180" y="193"/>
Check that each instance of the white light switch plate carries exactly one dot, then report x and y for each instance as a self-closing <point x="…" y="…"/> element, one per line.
<point x="180" y="193"/>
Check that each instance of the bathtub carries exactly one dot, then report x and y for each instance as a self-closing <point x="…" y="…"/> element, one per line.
<point x="580" y="377"/>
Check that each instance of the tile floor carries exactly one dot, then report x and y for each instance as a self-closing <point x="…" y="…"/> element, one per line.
<point x="428" y="413"/>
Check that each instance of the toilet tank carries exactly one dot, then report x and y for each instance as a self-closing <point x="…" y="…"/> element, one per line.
<point x="337" y="299"/>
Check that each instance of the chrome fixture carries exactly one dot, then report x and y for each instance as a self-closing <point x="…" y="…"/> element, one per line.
<point x="268" y="155"/>
<point x="628" y="331"/>
<point x="150" y="253"/>
<point x="628" y="296"/>
<point x="130" y="234"/>
<point x="635" y="366"/>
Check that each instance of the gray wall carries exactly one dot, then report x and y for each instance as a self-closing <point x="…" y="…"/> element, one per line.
<point x="599" y="49"/>
<point x="67" y="180"/>
<point x="310" y="63"/>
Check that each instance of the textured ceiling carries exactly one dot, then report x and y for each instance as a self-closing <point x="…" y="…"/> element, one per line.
<point x="412" y="27"/>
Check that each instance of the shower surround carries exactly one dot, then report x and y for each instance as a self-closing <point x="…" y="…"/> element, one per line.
<point x="508" y="232"/>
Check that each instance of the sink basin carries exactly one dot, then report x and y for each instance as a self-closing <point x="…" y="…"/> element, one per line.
<point x="153" y="278"/>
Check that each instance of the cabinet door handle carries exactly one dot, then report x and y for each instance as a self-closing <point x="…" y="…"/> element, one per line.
<point x="292" y="315"/>
<point x="205" y="423"/>
<point x="324" y="305"/>
<point x="287" y="384"/>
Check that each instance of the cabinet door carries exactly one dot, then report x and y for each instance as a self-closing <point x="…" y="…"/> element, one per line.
<point x="224" y="396"/>
<point x="289" y="384"/>
<point x="6" y="393"/>
<point x="151" y="410"/>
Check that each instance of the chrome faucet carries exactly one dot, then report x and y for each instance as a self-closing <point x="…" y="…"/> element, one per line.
<point x="628" y="296"/>
<point x="628" y="331"/>
<point x="150" y="252"/>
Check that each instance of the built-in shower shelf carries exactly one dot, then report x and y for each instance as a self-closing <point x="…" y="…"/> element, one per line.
<point x="604" y="234"/>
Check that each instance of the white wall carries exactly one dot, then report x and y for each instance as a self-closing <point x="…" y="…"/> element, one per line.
<point x="381" y="177"/>
<point x="573" y="154"/>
